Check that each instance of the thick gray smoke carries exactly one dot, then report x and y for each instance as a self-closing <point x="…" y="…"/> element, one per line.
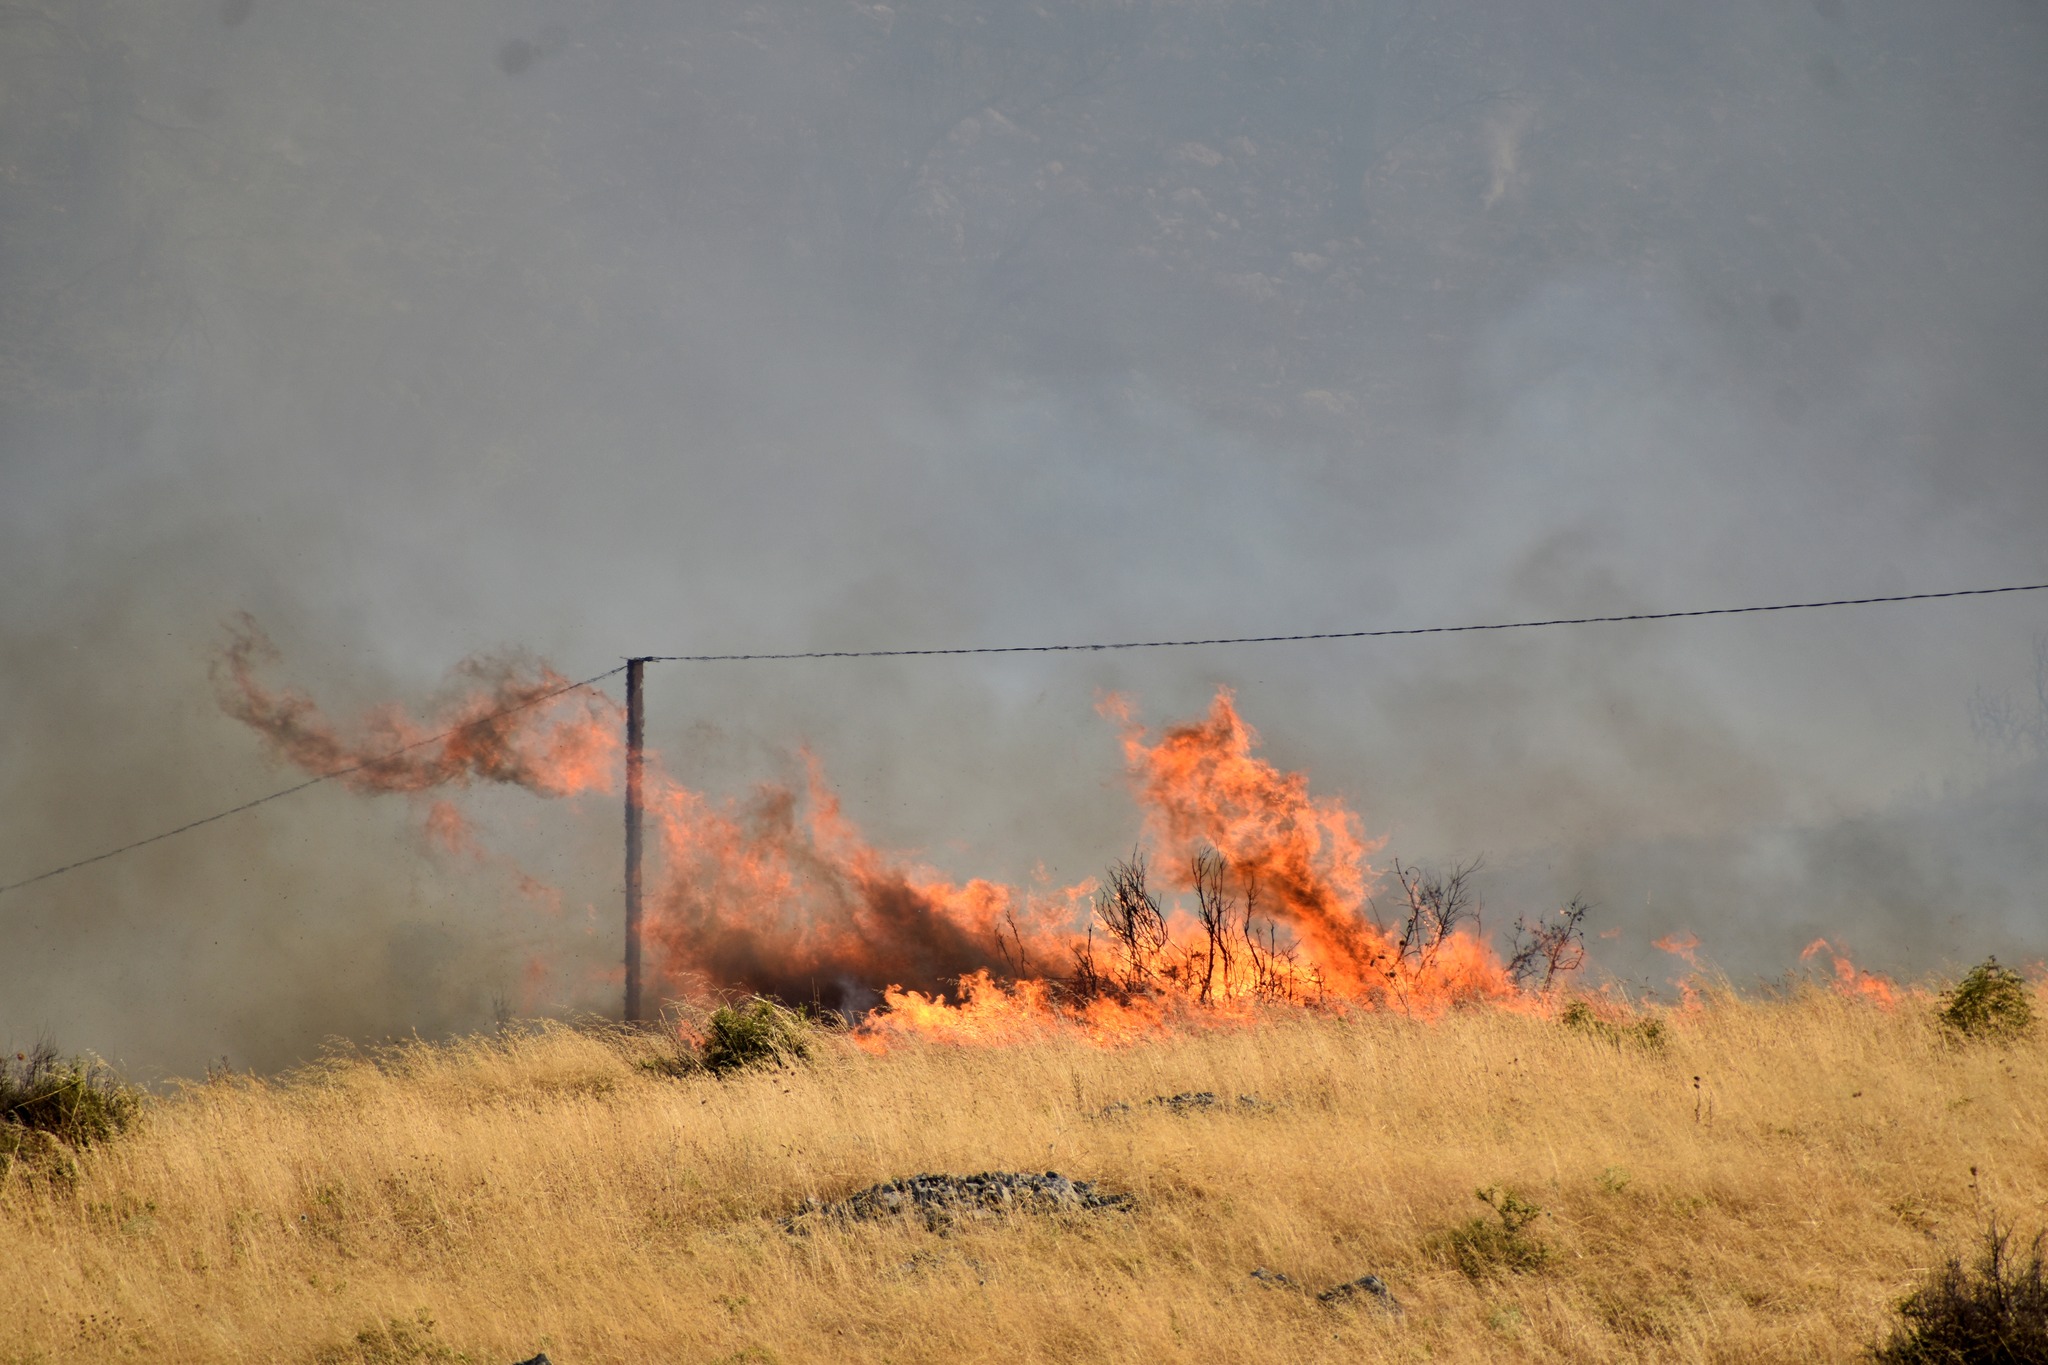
<point x="604" y="327"/>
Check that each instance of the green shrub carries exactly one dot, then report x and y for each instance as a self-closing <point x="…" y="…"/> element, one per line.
<point x="1989" y="1002"/>
<point x="1486" y="1247"/>
<point x="1994" y="1313"/>
<point x="757" y="1033"/>
<point x="753" y="1033"/>
<point x="48" y="1102"/>
<point x="1647" y="1034"/>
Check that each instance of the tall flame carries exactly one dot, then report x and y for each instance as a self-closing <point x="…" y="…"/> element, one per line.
<point x="1202" y="788"/>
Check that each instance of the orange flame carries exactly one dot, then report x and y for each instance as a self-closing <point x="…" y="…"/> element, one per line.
<point x="1680" y="944"/>
<point x="783" y="896"/>
<point x="1685" y="945"/>
<point x="1201" y="788"/>
<point x="555" y="745"/>
<point x="787" y="898"/>
<point x="991" y="1013"/>
<point x="1851" y="980"/>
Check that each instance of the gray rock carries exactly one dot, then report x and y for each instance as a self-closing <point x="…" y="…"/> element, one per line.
<point x="1365" y="1289"/>
<point x="938" y="1199"/>
<point x="1187" y="1102"/>
<point x="1369" y="1288"/>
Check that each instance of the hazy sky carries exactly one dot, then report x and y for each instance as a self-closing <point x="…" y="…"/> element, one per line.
<point x="603" y="327"/>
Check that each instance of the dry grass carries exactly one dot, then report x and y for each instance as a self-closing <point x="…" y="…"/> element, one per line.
<point x="485" y="1200"/>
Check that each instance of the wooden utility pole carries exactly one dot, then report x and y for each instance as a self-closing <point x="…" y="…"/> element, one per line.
<point x="636" y="736"/>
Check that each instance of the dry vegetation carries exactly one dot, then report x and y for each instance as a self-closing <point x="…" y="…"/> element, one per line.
<point x="1764" y="1182"/>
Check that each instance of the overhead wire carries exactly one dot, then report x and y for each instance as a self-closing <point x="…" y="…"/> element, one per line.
<point x="314" y="781"/>
<point x="329" y="776"/>
<point x="1336" y="634"/>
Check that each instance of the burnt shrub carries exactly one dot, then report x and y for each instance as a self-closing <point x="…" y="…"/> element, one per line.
<point x="1990" y="1002"/>
<point x="1993" y="1312"/>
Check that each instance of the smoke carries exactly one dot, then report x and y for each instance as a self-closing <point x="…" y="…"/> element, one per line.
<point x="565" y="330"/>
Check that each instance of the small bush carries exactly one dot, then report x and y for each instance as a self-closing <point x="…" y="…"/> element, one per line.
<point x="1990" y="1002"/>
<point x="47" y="1100"/>
<point x="757" y="1033"/>
<point x="1994" y="1313"/>
<point x="1486" y="1247"/>
<point x="1647" y="1034"/>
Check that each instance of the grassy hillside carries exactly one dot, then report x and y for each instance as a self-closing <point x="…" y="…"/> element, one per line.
<point x="1763" y="1186"/>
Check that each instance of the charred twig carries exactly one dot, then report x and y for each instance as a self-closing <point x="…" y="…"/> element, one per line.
<point x="1129" y="913"/>
<point x="1545" y="951"/>
<point x="1212" y="908"/>
<point x="1087" y="977"/>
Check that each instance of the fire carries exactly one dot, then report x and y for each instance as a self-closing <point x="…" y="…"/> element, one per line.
<point x="991" y="1013"/>
<point x="1682" y="945"/>
<point x="782" y="895"/>
<point x="554" y="740"/>
<point x="1202" y="789"/>
<point x="1851" y="980"/>
<point x="779" y="893"/>
<point x="1686" y="946"/>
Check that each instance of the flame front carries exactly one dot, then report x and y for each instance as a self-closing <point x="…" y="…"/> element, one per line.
<point x="780" y="893"/>
<point x="1851" y="980"/>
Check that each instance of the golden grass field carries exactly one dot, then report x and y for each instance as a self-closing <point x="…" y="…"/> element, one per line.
<point x="484" y="1200"/>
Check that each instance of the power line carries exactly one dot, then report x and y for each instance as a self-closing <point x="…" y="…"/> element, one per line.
<point x="1011" y="649"/>
<point x="1336" y="634"/>
<point x="309" y="782"/>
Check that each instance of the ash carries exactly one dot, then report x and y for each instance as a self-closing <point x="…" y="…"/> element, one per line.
<point x="939" y="1199"/>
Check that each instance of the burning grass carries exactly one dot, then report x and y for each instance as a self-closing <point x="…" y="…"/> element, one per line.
<point x="1767" y="1184"/>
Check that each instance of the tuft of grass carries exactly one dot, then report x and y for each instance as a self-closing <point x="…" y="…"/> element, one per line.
<point x="1647" y="1034"/>
<point x="1989" y="1003"/>
<point x="49" y="1102"/>
<point x="1484" y="1248"/>
<point x="1992" y="1313"/>
<point x="395" y="1341"/>
<point x="677" y="1060"/>
<point x="37" y="1153"/>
